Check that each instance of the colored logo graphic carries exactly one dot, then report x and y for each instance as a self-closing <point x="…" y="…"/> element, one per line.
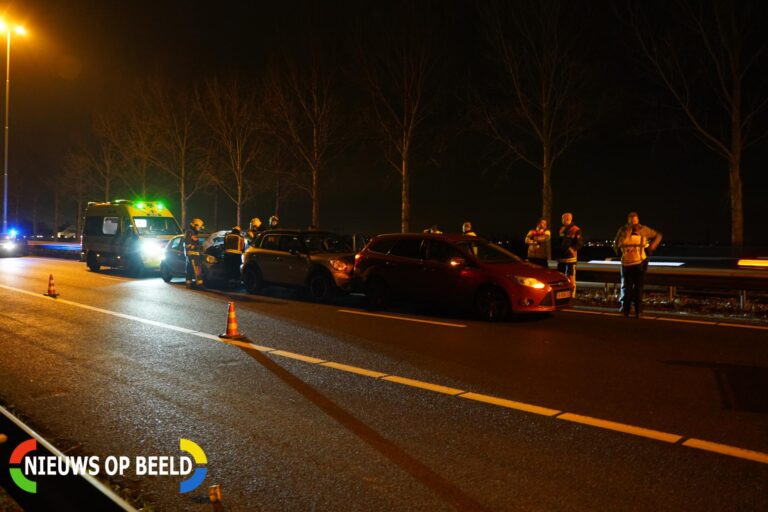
<point x="193" y="482"/>
<point x="18" y="477"/>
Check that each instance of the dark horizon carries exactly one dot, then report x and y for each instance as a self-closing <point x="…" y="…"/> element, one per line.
<point x="638" y="155"/>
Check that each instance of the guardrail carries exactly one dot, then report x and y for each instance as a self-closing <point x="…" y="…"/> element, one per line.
<point x="741" y="281"/>
<point x="63" y="493"/>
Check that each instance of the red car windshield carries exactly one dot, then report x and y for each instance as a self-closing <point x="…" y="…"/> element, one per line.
<point x="486" y="252"/>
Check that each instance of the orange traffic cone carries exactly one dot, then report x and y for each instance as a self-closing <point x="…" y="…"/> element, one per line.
<point x="51" y="288"/>
<point x="232" y="332"/>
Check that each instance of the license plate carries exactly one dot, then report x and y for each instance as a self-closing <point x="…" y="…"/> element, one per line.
<point x="563" y="295"/>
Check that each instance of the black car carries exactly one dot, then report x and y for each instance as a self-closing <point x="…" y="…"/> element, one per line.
<point x="174" y="263"/>
<point x="11" y="244"/>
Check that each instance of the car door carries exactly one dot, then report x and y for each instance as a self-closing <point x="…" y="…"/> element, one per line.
<point x="402" y="267"/>
<point x="439" y="279"/>
<point x="174" y="257"/>
<point x="267" y="257"/>
<point x="294" y="264"/>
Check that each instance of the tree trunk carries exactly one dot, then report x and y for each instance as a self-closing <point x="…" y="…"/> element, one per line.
<point x="34" y="216"/>
<point x="405" y="213"/>
<point x="79" y="216"/>
<point x="183" y="204"/>
<point x="546" y="186"/>
<point x="55" y="214"/>
<point x="277" y="195"/>
<point x="737" y="212"/>
<point x="315" y="198"/>
<point x="239" y="205"/>
<point x="216" y="208"/>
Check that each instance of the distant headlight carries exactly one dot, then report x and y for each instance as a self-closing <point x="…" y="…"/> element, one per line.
<point x="529" y="281"/>
<point x="151" y="249"/>
<point x="8" y="246"/>
<point x="341" y="265"/>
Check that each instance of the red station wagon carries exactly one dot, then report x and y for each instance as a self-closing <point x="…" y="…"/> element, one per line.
<point x="464" y="270"/>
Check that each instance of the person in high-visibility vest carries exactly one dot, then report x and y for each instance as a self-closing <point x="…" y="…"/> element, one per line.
<point x="634" y="243"/>
<point x="234" y="245"/>
<point x="192" y="252"/>
<point x="569" y="241"/>
<point x="538" y="242"/>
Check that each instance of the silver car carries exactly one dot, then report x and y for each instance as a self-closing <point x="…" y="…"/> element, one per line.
<point x="319" y="261"/>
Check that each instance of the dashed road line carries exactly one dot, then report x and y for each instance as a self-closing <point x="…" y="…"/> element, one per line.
<point x="673" y="320"/>
<point x="723" y="449"/>
<point x="424" y="385"/>
<point x="404" y="318"/>
<point x="511" y="404"/>
<point x="621" y="427"/>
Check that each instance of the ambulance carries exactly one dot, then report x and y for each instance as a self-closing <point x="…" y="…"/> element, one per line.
<point x="129" y="235"/>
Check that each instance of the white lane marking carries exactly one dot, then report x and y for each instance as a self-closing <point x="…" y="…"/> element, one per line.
<point x="670" y="319"/>
<point x="685" y="321"/>
<point x="511" y="404"/>
<point x="423" y="385"/>
<point x="743" y="326"/>
<point x="354" y="369"/>
<point x="621" y="427"/>
<point x="723" y="449"/>
<point x="404" y="318"/>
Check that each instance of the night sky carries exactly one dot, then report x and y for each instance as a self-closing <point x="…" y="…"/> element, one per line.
<point x="639" y="153"/>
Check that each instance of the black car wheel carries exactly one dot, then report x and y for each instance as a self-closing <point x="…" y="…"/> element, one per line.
<point x="165" y="273"/>
<point x="491" y="304"/>
<point x="321" y="286"/>
<point x="252" y="279"/>
<point x="377" y="293"/>
<point x="93" y="262"/>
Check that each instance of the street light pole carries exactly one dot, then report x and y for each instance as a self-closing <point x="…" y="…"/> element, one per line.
<point x="7" y="104"/>
<point x="19" y="30"/>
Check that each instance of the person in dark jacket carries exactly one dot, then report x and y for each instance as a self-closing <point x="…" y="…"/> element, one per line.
<point x="193" y="252"/>
<point x="634" y="243"/>
<point x="538" y="242"/>
<point x="569" y="241"/>
<point x="234" y="245"/>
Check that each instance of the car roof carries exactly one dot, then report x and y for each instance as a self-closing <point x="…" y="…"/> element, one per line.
<point x="300" y="232"/>
<point x="449" y="237"/>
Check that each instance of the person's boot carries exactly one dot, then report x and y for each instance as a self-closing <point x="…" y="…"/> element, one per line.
<point x="189" y="284"/>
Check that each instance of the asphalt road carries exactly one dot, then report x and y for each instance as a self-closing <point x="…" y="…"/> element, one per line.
<point x="330" y="408"/>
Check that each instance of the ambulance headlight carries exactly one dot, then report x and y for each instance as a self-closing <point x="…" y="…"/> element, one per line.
<point x="151" y="249"/>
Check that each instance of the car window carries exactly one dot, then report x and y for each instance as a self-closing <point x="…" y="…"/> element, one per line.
<point x="382" y="245"/>
<point x="288" y="243"/>
<point x="111" y="225"/>
<point x="269" y="242"/>
<point x="407" y="248"/>
<point x="156" y="226"/>
<point x="488" y="252"/>
<point x="176" y="244"/>
<point x="325" y="242"/>
<point x="442" y="252"/>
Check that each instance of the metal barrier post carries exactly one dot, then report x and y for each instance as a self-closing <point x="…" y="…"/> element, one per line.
<point x="743" y="304"/>
<point x="671" y="292"/>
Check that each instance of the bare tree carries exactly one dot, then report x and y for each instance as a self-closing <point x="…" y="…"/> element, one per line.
<point x="177" y="149"/>
<point x="231" y="114"/>
<point x="542" y="109"/>
<point x="76" y="183"/>
<point x="304" y="115"/>
<point x="707" y="54"/>
<point x="398" y="76"/>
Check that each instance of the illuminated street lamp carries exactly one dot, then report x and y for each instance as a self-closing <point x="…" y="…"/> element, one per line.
<point x="4" y="27"/>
